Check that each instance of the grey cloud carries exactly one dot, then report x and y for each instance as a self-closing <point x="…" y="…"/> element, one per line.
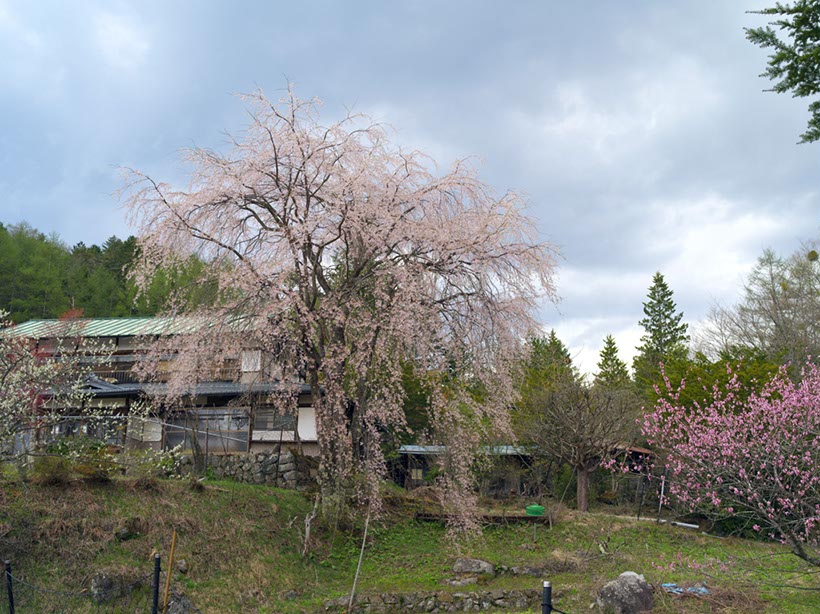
<point x="619" y="121"/>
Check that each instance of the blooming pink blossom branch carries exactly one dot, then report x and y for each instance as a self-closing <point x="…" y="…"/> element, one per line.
<point x="748" y="454"/>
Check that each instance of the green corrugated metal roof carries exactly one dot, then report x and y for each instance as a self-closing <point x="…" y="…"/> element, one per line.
<point x="438" y="450"/>
<point x="104" y="327"/>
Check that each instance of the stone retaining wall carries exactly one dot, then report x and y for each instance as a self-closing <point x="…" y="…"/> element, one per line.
<point x="442" y="601"/>
<point x="285" y="470"/>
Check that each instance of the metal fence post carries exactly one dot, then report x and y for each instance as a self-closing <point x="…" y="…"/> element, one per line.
<point x="660" y="499"/>
<point x="155" y="586"/>
<point x="546" y="599"/>
<point x="9" y="587"/>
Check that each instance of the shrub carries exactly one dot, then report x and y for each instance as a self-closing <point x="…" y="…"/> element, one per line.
<point x="94" y="460"/>
<point x="51" y="471"/>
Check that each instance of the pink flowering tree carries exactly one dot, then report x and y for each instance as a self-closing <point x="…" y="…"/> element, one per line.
<point x="748" y="454"/>
<point x="341" y="255"/>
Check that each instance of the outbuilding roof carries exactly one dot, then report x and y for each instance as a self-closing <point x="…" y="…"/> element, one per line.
<point x="437" y="450"/>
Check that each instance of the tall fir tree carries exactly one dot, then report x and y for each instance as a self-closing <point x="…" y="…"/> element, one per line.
<point x="612" y="371"/>
<point x="548" y="362"/>
<point x="552" y="349"/>
<point x="548" y="358"/>
<point x="665" y="338"/>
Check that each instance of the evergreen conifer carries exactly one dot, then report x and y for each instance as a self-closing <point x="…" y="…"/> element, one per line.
<point x="665" y="338"/>
<point x="612" y="371"/>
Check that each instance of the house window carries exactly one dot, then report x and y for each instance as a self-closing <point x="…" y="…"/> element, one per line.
<point x="215" y="430"/>
<point x="268" y="419"/>
<point x="251" y="361"/>
<point x="416" y="474"/>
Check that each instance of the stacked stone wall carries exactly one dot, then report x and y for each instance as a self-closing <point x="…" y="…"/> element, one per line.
<point x="442" y="601"/>
<point x="284" y="469"/>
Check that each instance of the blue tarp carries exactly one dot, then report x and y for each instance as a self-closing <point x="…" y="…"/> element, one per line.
<point x="671" y="587"/>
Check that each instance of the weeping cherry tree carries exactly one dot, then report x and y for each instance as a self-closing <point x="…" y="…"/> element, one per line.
<point x="342" y="255"/>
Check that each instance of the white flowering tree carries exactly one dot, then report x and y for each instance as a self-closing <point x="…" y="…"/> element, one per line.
<point x="343" y="255"/>
<point x="37" y="384"/>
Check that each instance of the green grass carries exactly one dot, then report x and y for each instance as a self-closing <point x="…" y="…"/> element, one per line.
<point x="242" y="545"/>
<point x="584" y="551"/>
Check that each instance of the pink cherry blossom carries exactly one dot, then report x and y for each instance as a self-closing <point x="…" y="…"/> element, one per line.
<point x="748" y="454"/>
<point x="342" y="256"/>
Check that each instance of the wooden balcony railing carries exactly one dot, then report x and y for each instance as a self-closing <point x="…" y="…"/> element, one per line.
<point x="128" y="376"/>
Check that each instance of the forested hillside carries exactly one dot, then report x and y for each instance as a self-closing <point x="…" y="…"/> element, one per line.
<point x="42" y="277"/>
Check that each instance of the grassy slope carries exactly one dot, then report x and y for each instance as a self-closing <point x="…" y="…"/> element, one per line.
<point x="242" y="543"/>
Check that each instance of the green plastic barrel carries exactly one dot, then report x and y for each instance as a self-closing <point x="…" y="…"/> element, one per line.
<point x="535" y="510"/>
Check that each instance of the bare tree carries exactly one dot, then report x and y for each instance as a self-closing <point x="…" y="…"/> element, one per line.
<point x="581" y="425"/>
<point x="779" y="313"/>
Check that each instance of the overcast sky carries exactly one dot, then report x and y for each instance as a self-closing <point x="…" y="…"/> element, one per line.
<point x="638" y="130"/>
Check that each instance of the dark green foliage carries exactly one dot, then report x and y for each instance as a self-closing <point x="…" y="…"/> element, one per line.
<point x="751" y="367"/>
<point x="32" y="270"/>
<point x="547" y="363"/>
<point x="40" y="277"/>
<point x="794" y="63"/>
<point x="96" y="279"/>
<point x="612" y="371"/>
<point x="416" y="404"/>
<point x="188" y="284"/>
<point x="548" y="359"/>
<point x="665" y="332"/>
<point x="665" y="339"/>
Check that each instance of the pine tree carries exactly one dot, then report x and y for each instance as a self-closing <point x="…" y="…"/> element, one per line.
<point x="548" y="362"/>
<point x="794" y="63"/>
<point x="553" y="350"/>
<point x="612" y="371"/>
<point x="665" y="338"/>
<point x="548" y="358"/>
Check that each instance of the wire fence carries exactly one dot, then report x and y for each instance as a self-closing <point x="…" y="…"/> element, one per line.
<point x="105" y="594"/>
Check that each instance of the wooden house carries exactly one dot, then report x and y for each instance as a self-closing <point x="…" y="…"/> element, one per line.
<point x="232" y="412"/>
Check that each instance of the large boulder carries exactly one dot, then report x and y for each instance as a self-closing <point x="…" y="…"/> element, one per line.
<point x="473" y="566"/>
<point x="128" y="529"/>
<point x="178" y="603"/>
<point x="109" y="585"/>
<point x="627" y="594"/>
